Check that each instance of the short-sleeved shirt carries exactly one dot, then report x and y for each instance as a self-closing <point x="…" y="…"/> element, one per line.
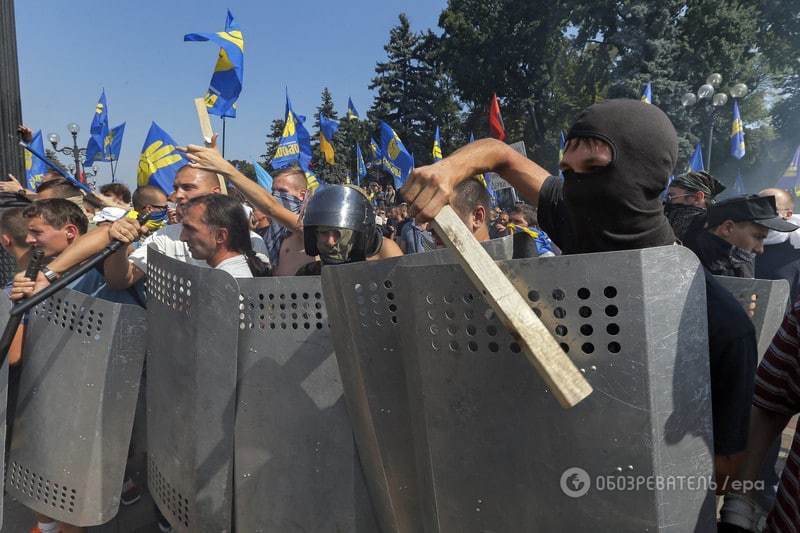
<point x="777" y="389"/>
<point x="236" y="266"/>
<point x="167" y="241"/>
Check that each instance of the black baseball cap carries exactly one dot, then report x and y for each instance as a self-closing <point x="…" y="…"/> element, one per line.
<point x="757" y="209"/>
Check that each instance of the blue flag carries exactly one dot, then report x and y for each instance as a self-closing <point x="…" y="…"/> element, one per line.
<point x="437" y="147"/>
<point x="35" y="168"/>
<point x="789" y="180"/>
<point x="112" y="144"/>
<point x="327" y="127"/>
<point x="696" y="162"/>
<point x="374" y="150"/>
<point x="288" y="150"/>
<point x="562" y="145"/>
<point x="159" y="161"/>
<point x="97" y="132"/>
<point x="262" y="177"/>
<point x="40" y="155"/>
<point x="362" y="168"/>
<point x="226" y="82"/>
<point x="395" y="158"/>
<point x="647" y="94"/>
<point x="737" y="133"/>
<point x="351" y="110"/>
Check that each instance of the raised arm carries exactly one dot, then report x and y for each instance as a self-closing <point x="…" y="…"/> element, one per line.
<point x="428" y="188"/>
<point x="209" y="158"/>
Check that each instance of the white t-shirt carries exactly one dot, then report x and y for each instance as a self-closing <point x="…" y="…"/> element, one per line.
<point x="236" y="266"/>
<point x="168" y="241"/>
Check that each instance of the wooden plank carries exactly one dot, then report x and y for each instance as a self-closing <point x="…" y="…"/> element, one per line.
<point x="565" y="381"/>
<point x="208" y="134"/>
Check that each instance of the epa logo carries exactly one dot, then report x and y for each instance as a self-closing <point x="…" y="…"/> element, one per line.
<point x="575" y="482"/>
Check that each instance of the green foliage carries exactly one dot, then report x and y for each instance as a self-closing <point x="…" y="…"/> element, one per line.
<point x="245" y="167"/>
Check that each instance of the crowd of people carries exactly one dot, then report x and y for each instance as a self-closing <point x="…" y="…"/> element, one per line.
<point x="612" y="196"/>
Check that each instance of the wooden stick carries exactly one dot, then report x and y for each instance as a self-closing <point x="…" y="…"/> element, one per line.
<point x="565" y="381"/>
<point x="208" y="134"/>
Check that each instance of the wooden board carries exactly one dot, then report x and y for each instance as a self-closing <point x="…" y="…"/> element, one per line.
<point x="564" y="379"/>
<point x="208" y="134"/>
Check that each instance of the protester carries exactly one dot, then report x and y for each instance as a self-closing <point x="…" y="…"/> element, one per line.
<point x="107" y="215"/>
<point x="781" y="256"/>
<point x="687" y="200"/>
<point x="216" y="230"/>
<point x="118" y="191"/>
<point x="775" y="401"/>
<point x="416" y="238"/>
<point x="14" y="234"/>
<point x="147" y="199"/>
<point x="618" y="156"/>
<point x="472" y="203"/>
<point x="389" y="195"/>
<point x="522" y="219"/>
<point x="736" y="232"/>
<point x="260" y="222"/>
<point x="499" y="227"/>
<point x="339" y="226"/>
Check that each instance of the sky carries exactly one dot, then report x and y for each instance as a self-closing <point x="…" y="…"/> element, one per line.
<point x="70" y="51"/>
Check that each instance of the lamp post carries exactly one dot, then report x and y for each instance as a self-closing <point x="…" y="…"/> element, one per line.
<point x="73" y="151"/>
<point x="706" y="95"/>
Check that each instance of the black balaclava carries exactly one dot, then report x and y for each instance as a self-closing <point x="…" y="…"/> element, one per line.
<point x="619" y="207"/>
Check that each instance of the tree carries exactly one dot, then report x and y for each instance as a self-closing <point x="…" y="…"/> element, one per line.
<point x="273" y="138"/>
<point x="413" y="95"/>
<point x="245" y="167"/>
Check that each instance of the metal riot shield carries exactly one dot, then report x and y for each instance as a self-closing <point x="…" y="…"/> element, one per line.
<point x="496" y="452"/>
<point x="5" y="401"/>
<point x="368" y="343"/>
<point x="8" y="265"/>
<point x="77" y="395"/>
<point x="193" y="324"/>
<point x="296" y="465"/>
<point x="770" y="299"/>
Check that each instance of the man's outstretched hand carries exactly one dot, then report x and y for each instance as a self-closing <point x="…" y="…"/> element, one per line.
<point x="427" y="189"/>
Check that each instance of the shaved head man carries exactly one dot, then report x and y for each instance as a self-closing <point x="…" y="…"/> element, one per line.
<point x="783" y="201"/>
<point x="781" y="257"/>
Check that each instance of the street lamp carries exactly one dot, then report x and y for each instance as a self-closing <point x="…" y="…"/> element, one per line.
<point x="73" y="151"/>
<point x="707" y="95"/>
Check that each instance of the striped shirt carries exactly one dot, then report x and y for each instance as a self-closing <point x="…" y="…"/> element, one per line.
<point x="777" y="390"/>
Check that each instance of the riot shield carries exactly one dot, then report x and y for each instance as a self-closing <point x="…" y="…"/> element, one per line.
<point x="193" y="323"/>
<point x="296" y="466"/>
<point x="5" y="401"/>
<point x="771" y="298"/>
<point x="77" y="396"/>
<point x="8" y="266"/>
<point x="368" y="342"/>
<point x="496" y="452"/>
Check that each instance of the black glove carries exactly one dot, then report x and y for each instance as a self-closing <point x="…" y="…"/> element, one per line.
<point x="722" y="527"/>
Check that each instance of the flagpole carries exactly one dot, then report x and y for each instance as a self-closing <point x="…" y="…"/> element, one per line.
<point x="111" y="164"/>
<point x="223" y="136"/>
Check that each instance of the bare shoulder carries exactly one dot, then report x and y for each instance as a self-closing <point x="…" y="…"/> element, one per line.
<point x="388" y="249"/>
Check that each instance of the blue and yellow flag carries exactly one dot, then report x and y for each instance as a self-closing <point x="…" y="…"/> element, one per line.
<point x="288" y="150"/>
<point x="262" y="176"/>
<point x="374" y="150"/>
<point x="112" y="144"/>
<point x="562" y="145"/>
<point x="226" y="82"/>
<point x="97" y="132"/>
<point x="159" y="161"/>
<point x="362" y="168"/>
<point x="485" y="181"/>
<point x="35" y="168"/>
<point x="351" y="110"/>
<point x="789" y="180"/>
<point x="327" y="127"/>
<point x="312" y="182"/>
<point x="437" y="147"/>
<point x="38" y="153"/>
<point x="696" y="162"/>
<point x="395" y="158"/>
<point x="737" y="133"/>
<point x="647" y="94"/>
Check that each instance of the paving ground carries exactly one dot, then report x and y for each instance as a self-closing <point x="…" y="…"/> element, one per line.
<point x="141" y="518"/>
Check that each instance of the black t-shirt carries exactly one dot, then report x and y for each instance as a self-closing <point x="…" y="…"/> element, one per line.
<point x="733" y="357"/>
<point x="552" y="214"/>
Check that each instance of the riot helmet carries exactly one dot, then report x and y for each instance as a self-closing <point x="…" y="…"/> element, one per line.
<point x="346" y="209"/>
